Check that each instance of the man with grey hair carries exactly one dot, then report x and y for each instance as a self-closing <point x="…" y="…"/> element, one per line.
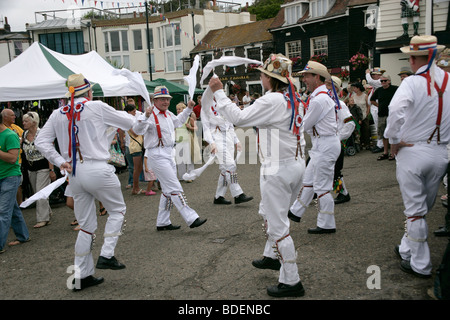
<point x="381" y="98"/>
<point x="81" y="130"/>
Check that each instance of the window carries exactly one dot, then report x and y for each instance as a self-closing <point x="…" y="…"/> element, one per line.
<point x="18" y="48"/>
<point x="171" y="35"/>
<point x="173" y="60"/>
<point x="319" y="8"/>
<point x="150" y="32"/>
<point x="254" y="53"/>
<point x="116" y="48"/>
<point x="319" y="46"/>
<point x="294" y="49"/>
<point x="293" y="14"/>
<point x="170" y="38"/>
<point x="137" y="39"/>
<point x="64" y="42"/>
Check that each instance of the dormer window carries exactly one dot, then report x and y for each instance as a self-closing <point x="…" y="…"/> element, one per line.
<point x="319" y="8"/>
<point x="293" y="14"/>
<point x="293" y="11"/>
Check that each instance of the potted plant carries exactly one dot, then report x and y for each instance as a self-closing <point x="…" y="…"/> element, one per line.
<point x="359" y="61"/>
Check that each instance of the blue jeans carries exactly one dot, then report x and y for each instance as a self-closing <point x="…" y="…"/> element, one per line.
<point x="129" y="158"/>
<point x="10" y="213"/>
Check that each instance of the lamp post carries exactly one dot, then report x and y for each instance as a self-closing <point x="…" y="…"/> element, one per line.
<point x="148" y="43"/>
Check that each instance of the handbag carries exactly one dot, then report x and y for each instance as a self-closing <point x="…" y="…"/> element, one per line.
<point x="136" y="144"/>
<point x="116" y="156"/>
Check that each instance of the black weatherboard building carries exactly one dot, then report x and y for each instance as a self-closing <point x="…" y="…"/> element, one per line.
<point x="328" y="31"/>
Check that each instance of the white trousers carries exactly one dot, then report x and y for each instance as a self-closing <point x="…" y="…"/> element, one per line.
<point x="419" y="171"/>
<point x="319" y="175"/>
<point x="225" y="154"/>
<point x="162" y="163"/>
<point x="278" y="191"/>
<point x="96" y="180"/>
<point x="374" y="112"/>
<point x="39" y="180"/>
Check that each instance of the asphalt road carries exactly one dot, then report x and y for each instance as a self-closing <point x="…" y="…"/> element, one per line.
<point x="213" y="262"/>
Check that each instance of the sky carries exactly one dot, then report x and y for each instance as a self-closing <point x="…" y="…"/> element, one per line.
<point x="20" y="12"/>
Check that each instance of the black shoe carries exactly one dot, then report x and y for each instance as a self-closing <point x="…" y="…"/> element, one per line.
<point x="169" y="227"/>
<point x="406" y="267"/>
<point x="284" y="290"/>
<point x="197" y="223"/>
<point x="242" y="198"/>
<point x="442" y="232"/>
<point x="341" y="198"/>
<point x="221" y="200"/>
<point x="397" y="252"/>
<point x="319" y="230"/>
<point x="377" y="150"/>
<point x="111" y="263"/>
<point x="293" y="217"/>
<point x="267" y="263"/>
<point x="80" y="284"/>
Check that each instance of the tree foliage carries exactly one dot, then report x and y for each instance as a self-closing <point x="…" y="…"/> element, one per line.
<point x="265" y="9"/>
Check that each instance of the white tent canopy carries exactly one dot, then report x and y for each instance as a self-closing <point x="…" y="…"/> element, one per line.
<point x="40" y="73"/>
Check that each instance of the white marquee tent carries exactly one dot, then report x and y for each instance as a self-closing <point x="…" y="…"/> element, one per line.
<point x="40" y="73"/>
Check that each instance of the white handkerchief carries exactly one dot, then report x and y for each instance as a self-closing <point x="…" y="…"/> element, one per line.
<point x="44" y="193"/>
<point x="194" y="174"/>
<point x="191" y="79"/>
<point x="230" y="61"/>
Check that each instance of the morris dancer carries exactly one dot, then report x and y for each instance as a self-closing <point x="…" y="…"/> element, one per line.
<point x="320" y="123"/>
<point x="219" y="133"/>
<point x="278" y="117"/>
<point x="158" y="127"/>
<point x="418" y="129"/>
<point x="346" y="125"/>
<point x="81" y="130"/>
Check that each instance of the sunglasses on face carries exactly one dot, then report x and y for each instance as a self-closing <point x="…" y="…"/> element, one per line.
<point x="384" y="80"/>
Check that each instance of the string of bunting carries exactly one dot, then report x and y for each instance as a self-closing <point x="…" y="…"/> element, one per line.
<point x="124" y="4"/>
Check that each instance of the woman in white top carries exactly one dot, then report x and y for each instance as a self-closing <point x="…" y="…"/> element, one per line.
<point x="360" y="98"/>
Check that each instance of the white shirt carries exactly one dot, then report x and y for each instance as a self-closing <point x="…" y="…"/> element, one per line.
<point x="246" y="101"/>
<point x="167" y="123"/>
<point x="412" y="113"/>
<point x="212" y="119"/>
<point x="272" y="117"/>
<point x="321" y="113"/>
<point x="345" y="130"/>
<point x="95" y="119"/>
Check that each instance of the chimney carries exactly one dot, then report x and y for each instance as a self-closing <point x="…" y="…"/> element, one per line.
<point x="7" y="27"/>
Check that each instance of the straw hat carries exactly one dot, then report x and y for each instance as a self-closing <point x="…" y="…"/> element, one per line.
<point x="420" y="45"/>
<point x="337" y="82"/>
<point x="316" y="68"/>
<point x="161" y="92"/>
<point x="277" y="66"/>
<point x="77" y="84"/>
<point x="377" y="70"/>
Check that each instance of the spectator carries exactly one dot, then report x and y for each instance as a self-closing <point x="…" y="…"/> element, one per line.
<point x="246" y="99"/>
<point x="40" y="171"/>
<point x="10" y="176"/>
<point x="359" y="96"/>
<point x="183" y="141"/>
<point x="9" y="117"/>
<point x="382" y="98"/>
<point x="198" y="107"/>
<point x="405" y="72"/>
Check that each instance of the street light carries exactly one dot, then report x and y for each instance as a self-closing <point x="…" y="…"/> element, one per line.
<point x="148" y="43"/>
